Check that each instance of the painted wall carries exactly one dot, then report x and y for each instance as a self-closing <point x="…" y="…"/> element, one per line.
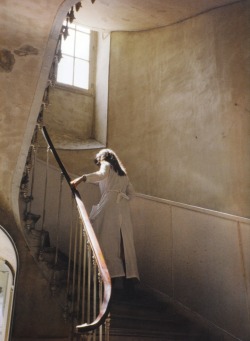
<point x="70" y="115"/>
<point x="179" y="109"/>
<point x="26" y="58"/>
<point x="198" y="258"/>
<point x="29" y="32"/>
<point x="102" y="86"/>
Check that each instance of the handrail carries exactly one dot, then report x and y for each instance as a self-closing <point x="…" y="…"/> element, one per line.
<point x="104" y="309"/>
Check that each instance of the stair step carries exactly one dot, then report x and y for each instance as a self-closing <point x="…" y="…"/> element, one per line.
<point x="145" y="318"/>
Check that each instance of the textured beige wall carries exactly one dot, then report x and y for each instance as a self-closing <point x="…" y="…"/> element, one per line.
<point x="22" y="86"/>
<point x="198" y="258"/>
<point x="26" y="23"/>
<point x="101" y="86"/>
<point x="70" y="114"/>
<point x="179" y="109"/>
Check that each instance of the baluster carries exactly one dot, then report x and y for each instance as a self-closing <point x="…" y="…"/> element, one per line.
<point x="94" y="293"/>
<point x="89" y="252"/>
<point x="100" y="303"/>
<point x="45" y="188"/>
<point x="58" y="223"/>
<point x="107" y="327"/>
<point x="30" y="218"/>
<point x="55" y="273"/>
<point x="74" y="272"/>
<point x="66" y="308"/>
<point x="84" y="275"/>
<point x="34" y="154"/>
<point x="79" y="271"/>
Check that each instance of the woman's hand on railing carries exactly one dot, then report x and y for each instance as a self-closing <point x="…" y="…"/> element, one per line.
<point x="74" y="183"/>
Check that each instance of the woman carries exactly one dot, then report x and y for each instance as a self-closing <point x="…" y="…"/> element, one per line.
<point x="111" y="217"/>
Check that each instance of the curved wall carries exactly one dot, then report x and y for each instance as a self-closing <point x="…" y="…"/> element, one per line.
<point x="179" y="109"/>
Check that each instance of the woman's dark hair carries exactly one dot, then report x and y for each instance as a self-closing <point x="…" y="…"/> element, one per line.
<point x="111" y="157"/>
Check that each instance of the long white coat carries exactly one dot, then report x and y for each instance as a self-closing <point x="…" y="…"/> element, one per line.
<point x="112" y="222"/>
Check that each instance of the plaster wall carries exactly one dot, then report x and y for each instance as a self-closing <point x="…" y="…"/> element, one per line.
<point x="30" y="53"/>
<point x="198" y="258"/>
<point x="29" y="32"/>
<point x="102" y="79"/>
<point x="70" y="114"/>
<point x="179" y="109"/>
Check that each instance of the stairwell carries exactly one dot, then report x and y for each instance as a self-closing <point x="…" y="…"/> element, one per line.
<point x="144" y="317"/>
<point x="133" y="318"/>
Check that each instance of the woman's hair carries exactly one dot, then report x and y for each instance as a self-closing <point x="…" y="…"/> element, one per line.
<point x="111" y="157"/>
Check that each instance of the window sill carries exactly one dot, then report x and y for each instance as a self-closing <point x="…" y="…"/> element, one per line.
<point x="74" y="89"/>
<point x="66" y="142"/>
<point x="78" y="145"/>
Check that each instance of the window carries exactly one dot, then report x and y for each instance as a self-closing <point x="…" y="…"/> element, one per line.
<point x="74" y="67"/>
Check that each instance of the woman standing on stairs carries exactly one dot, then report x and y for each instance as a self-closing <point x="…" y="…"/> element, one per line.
<point x="111" y="217"/>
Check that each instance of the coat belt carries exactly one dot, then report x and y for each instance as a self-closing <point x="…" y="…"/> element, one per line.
<point x="120" y="195"/>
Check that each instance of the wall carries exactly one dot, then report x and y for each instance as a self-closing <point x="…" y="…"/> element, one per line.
<point x="24" y="75"/>
<point x="69" y="115"/>
<point x="179" y="109"/>
<point x="29" y="54"/>
<point x="102" y="81"/>
<point x="197" y="258"/>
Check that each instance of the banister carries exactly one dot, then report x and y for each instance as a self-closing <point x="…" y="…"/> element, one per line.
<point x="104" y="309"/>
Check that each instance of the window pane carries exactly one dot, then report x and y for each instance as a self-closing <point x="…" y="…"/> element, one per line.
<point x="65" y="70"/>
<point x="82" y="45"/>
<point x="81" y="75"/>
<point x="68" y="43"/>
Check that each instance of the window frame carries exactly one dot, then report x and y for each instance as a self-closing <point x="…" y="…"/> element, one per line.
<point x="92" y="63"/>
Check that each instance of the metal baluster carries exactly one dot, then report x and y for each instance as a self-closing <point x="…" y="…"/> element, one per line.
<point x="74" y="273"/>
<point x="107" y="328"/>
<point x="100" y="303"/>
<point x="45" y="188"/>
<point x="66" y="309"/>
<point x="89" y="281"/>
<point x="54" y="281"/>
<point x="94" y="293"/>
<point x="58" y="224"/>
<point x="34" y="154"/>
<point x="80" y="251"/>
<point x="84" y="275"/>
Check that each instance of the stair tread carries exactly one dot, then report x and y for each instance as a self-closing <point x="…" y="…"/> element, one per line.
<point x="144" y="316"/>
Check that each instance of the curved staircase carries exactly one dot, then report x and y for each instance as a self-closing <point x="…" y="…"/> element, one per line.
<point x="143" y="317"/>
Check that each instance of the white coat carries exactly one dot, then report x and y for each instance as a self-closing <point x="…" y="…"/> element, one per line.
<point x="112" y="222"/>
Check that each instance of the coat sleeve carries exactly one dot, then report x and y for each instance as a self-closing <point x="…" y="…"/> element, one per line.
<point x="130" y="191"/>
<point x="99" y="175"/>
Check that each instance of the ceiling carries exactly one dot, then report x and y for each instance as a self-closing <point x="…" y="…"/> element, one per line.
<point x="135" y="15"/>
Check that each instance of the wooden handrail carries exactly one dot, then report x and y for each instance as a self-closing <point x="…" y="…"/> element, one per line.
<point x="104" y="309"/>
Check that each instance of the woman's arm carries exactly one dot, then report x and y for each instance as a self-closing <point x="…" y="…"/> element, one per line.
<point x="99" y="175"/>
<point x="130" y="191"/>
<point x="76" y="181"/>
<point x="93" y="177"/>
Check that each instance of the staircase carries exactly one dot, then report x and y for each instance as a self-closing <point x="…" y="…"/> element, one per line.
<point x="84" y="278"/>
<point x="143" y="317"/>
